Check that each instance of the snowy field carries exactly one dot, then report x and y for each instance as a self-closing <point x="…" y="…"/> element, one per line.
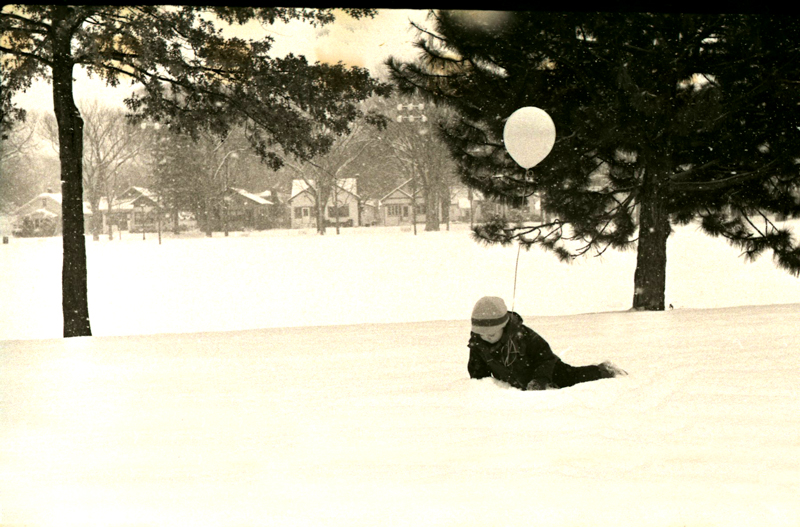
<point x="288" y="278"/>
<point x="284" y="378"/>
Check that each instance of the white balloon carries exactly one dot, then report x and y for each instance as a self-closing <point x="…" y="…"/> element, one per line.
<point x="529" y="135"/>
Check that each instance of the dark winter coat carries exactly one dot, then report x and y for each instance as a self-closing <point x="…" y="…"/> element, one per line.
<point x="519" y="357"/>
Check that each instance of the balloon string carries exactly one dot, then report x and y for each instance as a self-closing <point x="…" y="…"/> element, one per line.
<point x="528" y="177"/>
<point x="516" y="266"/>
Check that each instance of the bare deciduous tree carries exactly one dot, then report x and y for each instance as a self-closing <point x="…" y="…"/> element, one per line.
<point x="323" y="173"/>
<point x="19" y="179"/>
<point x="413" y="140"/>
<point x="110" y="143"/>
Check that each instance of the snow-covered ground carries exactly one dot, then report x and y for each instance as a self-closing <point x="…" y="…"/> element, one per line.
<point x="284" y="378"/>
<point x="288" y="278"/>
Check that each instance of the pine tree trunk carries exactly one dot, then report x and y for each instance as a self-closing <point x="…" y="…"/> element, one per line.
<point x="74" y="294"/>
<point x="650" y="277"/>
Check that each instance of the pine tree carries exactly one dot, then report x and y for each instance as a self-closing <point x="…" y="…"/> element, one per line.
<point x="661" y="119"/>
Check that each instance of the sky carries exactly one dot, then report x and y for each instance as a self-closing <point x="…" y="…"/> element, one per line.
<point x="365" y="43"/>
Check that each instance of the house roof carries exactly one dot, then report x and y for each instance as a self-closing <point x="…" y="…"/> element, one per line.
<point x="118" y="205"/>
<point x="298" y="187"/>
<point x="270" y="196"/>
<point x="142" y="191"/>
<point x="247" y="195"/>
<point x="127" y="200"/>
<point x="348" y="185"/>
<point x="43" y="213"/>
<point x="55" y="196"/>
<point x="50" y="195"/>
<point x="401" y="190"/>
<point x="125" y="204"/>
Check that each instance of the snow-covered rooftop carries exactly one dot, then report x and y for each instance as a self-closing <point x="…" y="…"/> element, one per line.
<point x="347" y="184"/>
<point x="56" y="197"/>
<point x="253" y="197"/>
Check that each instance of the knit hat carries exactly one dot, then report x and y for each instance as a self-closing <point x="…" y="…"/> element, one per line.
<point x="489" y="313"/>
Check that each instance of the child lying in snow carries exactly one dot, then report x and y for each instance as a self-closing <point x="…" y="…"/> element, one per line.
<point x="500" y="345"/>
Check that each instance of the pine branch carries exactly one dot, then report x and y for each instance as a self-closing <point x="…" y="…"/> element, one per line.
<point x="717" y="184"/>
<point x="679" y="177"/>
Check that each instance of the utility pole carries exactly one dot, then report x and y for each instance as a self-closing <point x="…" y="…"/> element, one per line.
<point x="411" y="118"/>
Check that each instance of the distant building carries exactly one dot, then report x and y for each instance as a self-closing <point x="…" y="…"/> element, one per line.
<point x="465" y="204"/>
<point x="41" y="216"/>
<point x="343" y="205"/>
<point x="134" y="210"/>
<point x="531" y="210"/>
<point x="396" y="207"/>
<point x="469" y="205"/>
<point x="279" y="208"/>
<point x="370" y="213"/>
<point x="239" y="210"/>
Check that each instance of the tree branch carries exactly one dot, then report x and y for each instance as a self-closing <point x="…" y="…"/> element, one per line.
<point x="717" y="184"/>
<point x="26" y="21"/>
<point x="25" y="54"/>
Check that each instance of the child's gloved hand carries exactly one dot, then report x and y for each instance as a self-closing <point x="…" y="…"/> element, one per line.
<point x="609" y="370"/>
<point x="539" y="384"/>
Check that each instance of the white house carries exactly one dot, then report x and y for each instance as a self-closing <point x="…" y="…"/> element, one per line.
<point x="41" y="216"/>
<point x="135" y="209"/>
<point x="342" y="205"/>
<point x="396" y="206"/>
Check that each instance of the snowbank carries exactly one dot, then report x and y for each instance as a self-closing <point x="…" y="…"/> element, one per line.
<point x="378" y="424"/>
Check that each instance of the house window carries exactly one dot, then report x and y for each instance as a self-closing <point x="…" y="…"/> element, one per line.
<point x="344" y="211"/>
<point x="394" y="210"/>
<point x="298" y="212"/>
